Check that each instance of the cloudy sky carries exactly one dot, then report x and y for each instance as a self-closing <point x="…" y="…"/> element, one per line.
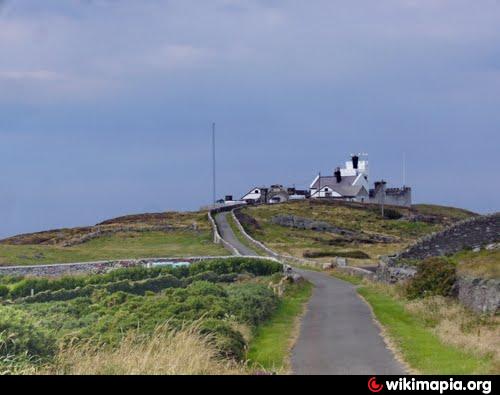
<point x="106" y="105"/>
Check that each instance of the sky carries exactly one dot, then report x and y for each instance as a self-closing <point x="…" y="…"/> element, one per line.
<point x="106" y="105"/>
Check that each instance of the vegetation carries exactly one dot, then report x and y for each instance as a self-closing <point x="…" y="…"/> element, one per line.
<point x="420" y="346"/>
<point x="168" y="351"/>
<point x="435" y="276"/>
<point x="356" y="254"/>
<point x="361" y="219"/>
<point x="134" y="236"/>
<point x="105" y="323"/>
<point x="444" y="213"/>
<point x="123" y="245"/>
<point x="271" y="343"/>
<point x="484" y="264"/>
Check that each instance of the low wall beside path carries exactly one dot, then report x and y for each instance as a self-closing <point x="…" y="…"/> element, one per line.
<point x="98" y="267"/>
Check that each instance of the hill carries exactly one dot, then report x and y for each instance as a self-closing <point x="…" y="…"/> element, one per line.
<point x="134" y="236"/>
<point x="321" y="230"/>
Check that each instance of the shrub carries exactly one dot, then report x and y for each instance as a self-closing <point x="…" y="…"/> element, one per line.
<point x="227" y="341"/>
<point x="251" y="303"/>
<point x="356" y="254"/>
<point x="4" y="291"/>
<point x="135" y="287"/>
<point x="390" y="213"/>
<point x="19" y="336"/>
<point x="226" y="269"/>
<point x="434" y="277"/>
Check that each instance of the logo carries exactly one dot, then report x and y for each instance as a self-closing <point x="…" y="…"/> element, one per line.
<point x="373" y="386"/>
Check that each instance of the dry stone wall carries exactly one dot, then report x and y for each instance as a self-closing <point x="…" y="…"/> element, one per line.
<point x="470" y="233"/>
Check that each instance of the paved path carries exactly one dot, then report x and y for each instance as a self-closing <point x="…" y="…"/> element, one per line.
<point x="338" y="334"/>
<point x="227" y="234"/>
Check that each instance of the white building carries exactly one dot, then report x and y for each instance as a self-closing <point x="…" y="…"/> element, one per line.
<point x="349" y="183"/>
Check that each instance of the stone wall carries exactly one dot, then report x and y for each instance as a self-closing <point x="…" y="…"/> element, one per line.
<point x="470" y="233"/>
<point x="58" y="270"/>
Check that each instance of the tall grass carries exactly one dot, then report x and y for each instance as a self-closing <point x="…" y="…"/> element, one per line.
<point x="166" y="352"/>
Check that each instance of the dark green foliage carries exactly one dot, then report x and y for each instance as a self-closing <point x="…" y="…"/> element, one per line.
<point x="230" y="342"/>
<point x="20" y="337"/>
<point x="252" y="303"/>
<point x="134" y="287"/>
<point x="390" y="213"/>
<point x="356" y="254"/>
<point x="229" y="267"/>
<point x="4" y="291"/>
<point x="435" y="276"/>
<point x="141" y="299"/>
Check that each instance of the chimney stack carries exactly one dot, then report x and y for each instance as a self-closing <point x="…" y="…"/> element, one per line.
<point x="355" y="161"/>
<point x="338" y="174"/>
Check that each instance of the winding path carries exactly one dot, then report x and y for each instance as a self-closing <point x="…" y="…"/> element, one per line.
<point x="338" y="333"/>
<point x="227" y="234"/>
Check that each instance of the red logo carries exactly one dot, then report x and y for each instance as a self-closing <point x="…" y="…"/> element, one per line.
<point x="373" y="386"/>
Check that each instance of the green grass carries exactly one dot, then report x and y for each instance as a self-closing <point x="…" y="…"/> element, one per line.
<point x="242" y="239"/>
<point x="117" y="246"/>
<point x="270" y="345"/>
<point x="297" y="241"/>
<point x="420" y="348"/>
<point x="452" y="213"/>
<point x="355" y="280"/>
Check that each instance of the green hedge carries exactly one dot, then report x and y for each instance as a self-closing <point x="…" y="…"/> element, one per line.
<point x="229" y="267"/>
<point x="132" y="287"/>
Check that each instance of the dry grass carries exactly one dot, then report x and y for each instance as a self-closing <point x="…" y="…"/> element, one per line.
<point x="166" y="352"/>
<point x="457" y="326"/>
<point x="484" y="264"/>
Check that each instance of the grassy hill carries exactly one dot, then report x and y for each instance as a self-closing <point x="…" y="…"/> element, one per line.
<point x="134" y="236"/>
<point x="363" y="234"/>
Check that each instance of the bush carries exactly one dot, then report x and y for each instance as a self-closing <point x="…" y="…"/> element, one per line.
<point x="19" y="336"/>
<point x="251" y="303"/>
<point x="390" y="213"/>
<point x="226" y="269"/>
<point x="434" y="277"/>
<point x="229" y="342"/>
<point x="4" y="291"/>
<point x="356" y="254"/>
<point x="136" y="287"/>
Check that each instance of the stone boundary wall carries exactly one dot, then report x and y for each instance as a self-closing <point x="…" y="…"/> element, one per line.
<point x="98" y="267"/>
<point x="468" y="233"/>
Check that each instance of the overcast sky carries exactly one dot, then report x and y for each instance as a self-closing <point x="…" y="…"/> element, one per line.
<point x="106" y="106"/>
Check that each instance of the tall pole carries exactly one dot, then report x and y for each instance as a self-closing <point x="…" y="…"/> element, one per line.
<point x="213" y="165"/>
<point x="404" y="169"/>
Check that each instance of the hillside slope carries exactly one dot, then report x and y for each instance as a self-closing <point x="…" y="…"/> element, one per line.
<point x="135" y="236"/>
<point x="321" y="230"/>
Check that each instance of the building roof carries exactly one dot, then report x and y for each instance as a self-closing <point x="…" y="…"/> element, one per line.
<point x="343" y="188"/>
<point x="331" y="182"/>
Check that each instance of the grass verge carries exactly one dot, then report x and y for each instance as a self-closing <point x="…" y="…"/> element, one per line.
<point x="419" y="346"/>
<point x="272" y="341"/>
<point x="420" y="331"/>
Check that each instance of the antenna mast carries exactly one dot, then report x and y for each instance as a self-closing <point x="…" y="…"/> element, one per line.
<point x="404" y="169"/>
<point x="214" y="196"/>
